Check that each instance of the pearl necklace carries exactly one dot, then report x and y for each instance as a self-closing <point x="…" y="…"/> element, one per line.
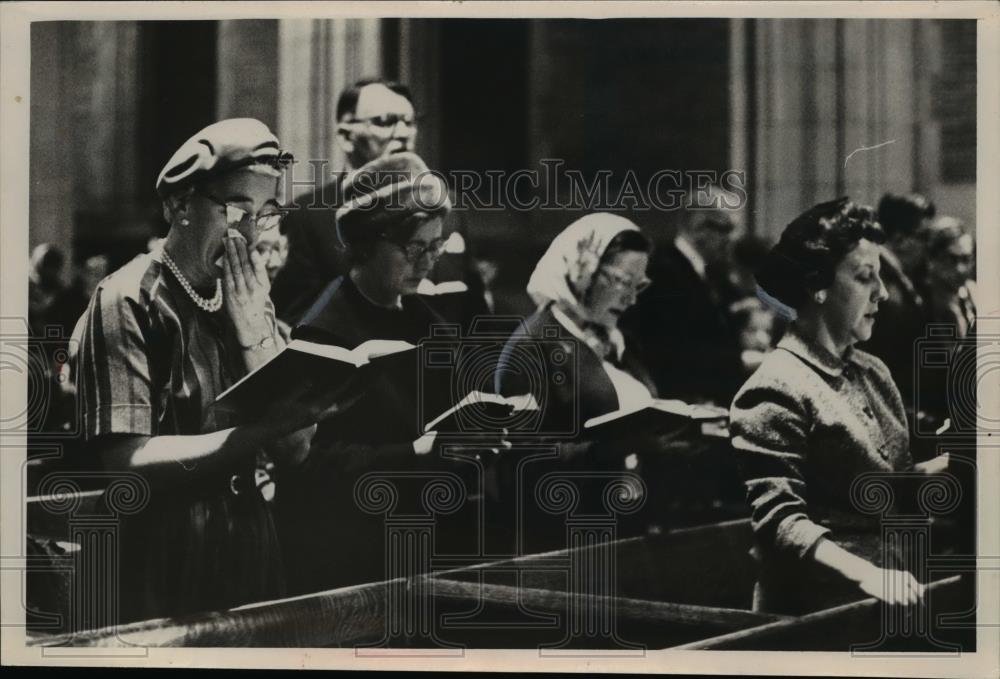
<point x="209" y="305"/>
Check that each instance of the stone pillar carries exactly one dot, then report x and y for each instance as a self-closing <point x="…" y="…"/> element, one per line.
<point x="823" y="93"/>
<point x="84" y="127"/>
<point x="247" y="70"/>
<point x="419" y="68"/>
<point x="316" y="59"/>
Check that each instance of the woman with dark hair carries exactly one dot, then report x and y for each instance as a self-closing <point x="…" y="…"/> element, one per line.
<point x="570" y="354"/>
<point x="816" y="414"/>
<point x="391" y="225"/>
<point x="162" y="337"/>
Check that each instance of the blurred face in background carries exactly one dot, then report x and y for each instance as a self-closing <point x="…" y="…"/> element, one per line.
<point x="93" y="272"/>
<point x="47" y="265"/>
<point x="713" y="236"/>
<point x="383" y="122"/>
<point x="616" y="286"/>
<point x="909" y="249"/>
<point x="273" y="248"/>
<point x="950" y="268"/>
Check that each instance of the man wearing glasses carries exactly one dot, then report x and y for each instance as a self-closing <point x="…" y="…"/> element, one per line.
<point x="375" y="119"/>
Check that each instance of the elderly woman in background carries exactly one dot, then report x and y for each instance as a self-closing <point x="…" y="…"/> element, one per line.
<point x="816" y="414"/>
<point x="161" y="338"/>
<point x="391" y="224"/>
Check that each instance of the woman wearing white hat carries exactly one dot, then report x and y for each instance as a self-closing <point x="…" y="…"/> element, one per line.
<point x="161" y="338"/>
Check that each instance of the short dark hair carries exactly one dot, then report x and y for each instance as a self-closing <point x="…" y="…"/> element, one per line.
<point x="811" y="247"/>
<point x="903" y="215"/>
<point x="627" y="240"/>
<point x="348" y="100"/>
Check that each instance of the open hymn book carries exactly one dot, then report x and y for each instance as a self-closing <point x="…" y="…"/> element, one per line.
<point x="306" y="368"/>
<point x="653" y="416"/>
<point x="481" y="411"/>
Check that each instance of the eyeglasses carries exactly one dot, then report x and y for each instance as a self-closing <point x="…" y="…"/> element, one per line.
<point x="387" y="121"/>
<point x="237" y="215"/>
<point x="414" y="250"/>
<point x="623" y="282"/>
<point x="952" y="259"/>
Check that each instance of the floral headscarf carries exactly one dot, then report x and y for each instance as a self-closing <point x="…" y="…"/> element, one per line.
<point x="564" y="273"/>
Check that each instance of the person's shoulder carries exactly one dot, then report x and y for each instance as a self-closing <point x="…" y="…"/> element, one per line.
<point x="672" y="267"/>
<point x="779" y="371"/>
<point x="667" y="256"/>
<point x="781" y="389"/>
<point x="871" y="363"/>
<point x="542" y="325"/>
<point x="138" y="281"/>
<point x="526" y="330"/>
<point x="543" y="322"/>
<point x="315" y="204"/>
<point x="328" y="315"/>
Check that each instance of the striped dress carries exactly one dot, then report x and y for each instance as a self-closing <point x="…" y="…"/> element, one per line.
<point x="151" y="363"/>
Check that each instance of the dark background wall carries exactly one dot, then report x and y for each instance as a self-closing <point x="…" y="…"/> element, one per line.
<point x="111" y="100"/>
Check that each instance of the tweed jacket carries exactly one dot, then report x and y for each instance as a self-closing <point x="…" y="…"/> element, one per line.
<point x="804" y="426"/>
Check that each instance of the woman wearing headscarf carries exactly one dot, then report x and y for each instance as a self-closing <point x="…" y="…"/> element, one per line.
<point x="590" y="275"/>
<point x="570" y="354"/>
<point x="161" y="338"/>
<point x="817" y="414"/>
<point x="391" y="224"/>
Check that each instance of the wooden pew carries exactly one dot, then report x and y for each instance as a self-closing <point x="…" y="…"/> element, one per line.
<point x="838" y="629"/>
<point x="42" y="522"/>
<point x="356" y="615"/>
<point x="673" y="591"/>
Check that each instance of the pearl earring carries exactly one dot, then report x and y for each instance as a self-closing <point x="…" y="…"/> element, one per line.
<point x="820" y="296"/>
<point x="185" y="222"/>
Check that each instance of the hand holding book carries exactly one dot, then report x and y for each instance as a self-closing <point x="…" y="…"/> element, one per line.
<point x="482" y="413"/>
<point x="310" y="376"/>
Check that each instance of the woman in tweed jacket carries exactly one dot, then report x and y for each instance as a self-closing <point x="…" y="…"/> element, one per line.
<point x="816" y="415"/>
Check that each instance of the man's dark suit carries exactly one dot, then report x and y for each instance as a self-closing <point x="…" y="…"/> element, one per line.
<point x="684" y="333"/>
<point x="314" y="254"/>
<point x="899" y="324"/>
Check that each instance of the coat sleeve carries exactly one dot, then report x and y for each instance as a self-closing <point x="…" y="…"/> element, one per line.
<point x="113" y="376"/>
<point x="770" y="436"/>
